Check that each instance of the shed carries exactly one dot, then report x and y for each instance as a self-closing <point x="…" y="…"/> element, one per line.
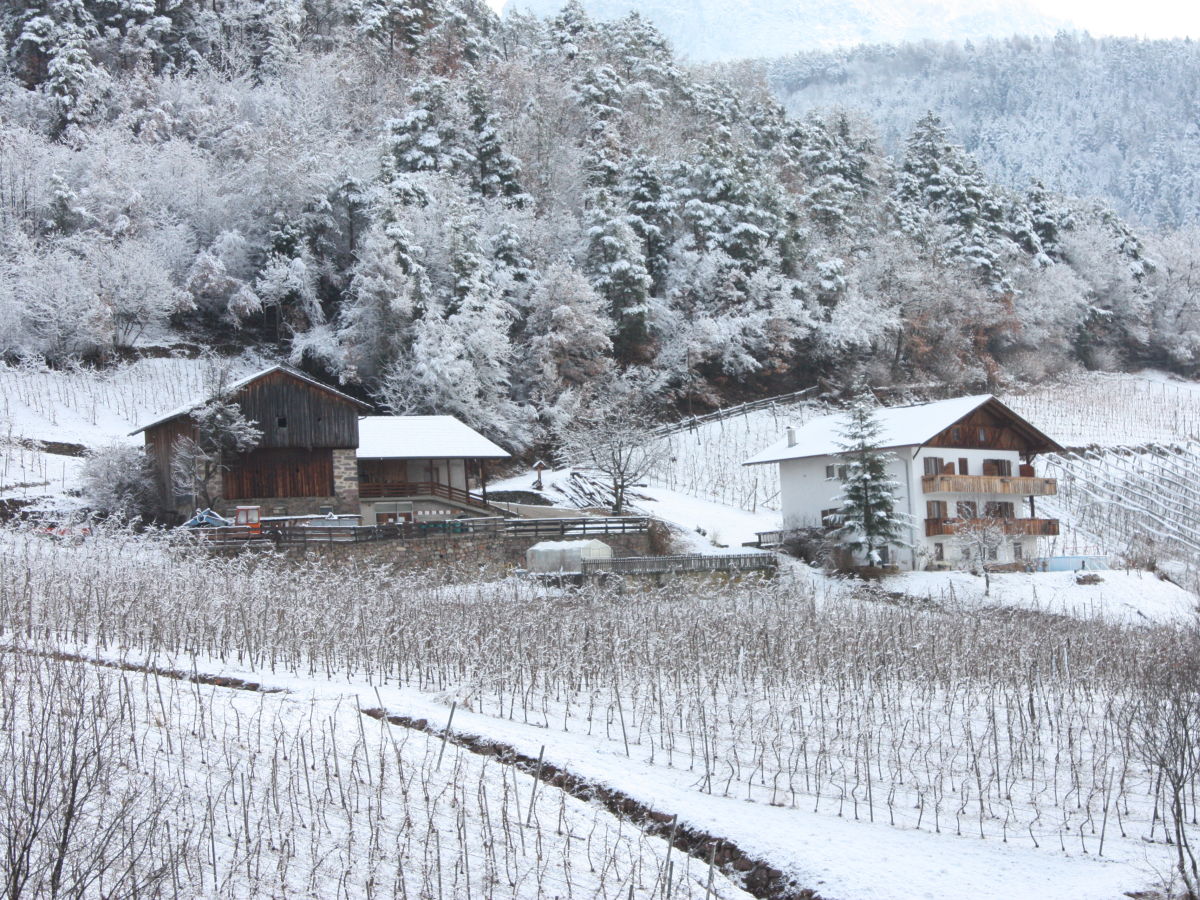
<point x="564" y="556"/>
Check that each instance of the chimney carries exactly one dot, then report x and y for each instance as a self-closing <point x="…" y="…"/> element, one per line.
<point x="791" y="436"/>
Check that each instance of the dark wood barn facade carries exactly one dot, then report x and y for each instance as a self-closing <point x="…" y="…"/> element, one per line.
<point x="305" y="459"/>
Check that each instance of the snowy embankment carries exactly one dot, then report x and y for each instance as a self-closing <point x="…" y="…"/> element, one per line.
<point x="50" y="417"/>
<point x="702" y="525"/>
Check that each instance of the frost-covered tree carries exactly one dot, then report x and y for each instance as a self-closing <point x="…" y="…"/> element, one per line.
<point x="612" y="436"/>
<point x="617" y="266"/>
<point x="867" y="518"/>
<point x="118" y="481"/>
<point x="221" y="432"/>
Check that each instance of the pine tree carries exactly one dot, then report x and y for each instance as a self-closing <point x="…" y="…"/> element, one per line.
<point x="867" y="515"/>
<point x="618" y="269"/>
<point x="495" y="172"/>
<point x="650" y="216"/>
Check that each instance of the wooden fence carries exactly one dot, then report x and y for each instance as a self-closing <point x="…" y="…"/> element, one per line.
<point x="302" y="535"/>
<point x="654" y="565"/>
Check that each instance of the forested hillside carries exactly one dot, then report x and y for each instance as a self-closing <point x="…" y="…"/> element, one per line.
<point x="449" y="212"/>
<point x="1111" y="117"/>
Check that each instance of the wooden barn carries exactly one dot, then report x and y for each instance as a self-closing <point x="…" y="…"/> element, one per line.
<point x="304" y="463"/>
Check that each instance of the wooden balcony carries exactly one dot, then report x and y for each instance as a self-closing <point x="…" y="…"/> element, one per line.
<point x="380" y="490"/>
<point x="989" y="484"/>
<point x="1038" y="527"/>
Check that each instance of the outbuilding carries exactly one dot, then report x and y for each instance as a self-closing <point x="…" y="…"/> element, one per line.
<point x="564" y="556"/>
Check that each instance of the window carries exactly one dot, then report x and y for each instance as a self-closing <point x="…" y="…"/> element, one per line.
<point x="831" y="472"/>
<point x="983" y="436"/>
<point x="999" y="510"/>
<point x="963" y="468"/>
<point x="966" y="509"/>
<point x="934" y="465"/>
<point x="939" y="552"/>
<point x="935" y="509"/>
<point x="1018" y="551"/>
<point x="1001" y="467"/>
<point x="884" y="556"/>
<point x="829" y="517"/>
<point x="281" y="422"/>
<point x="991" y="552"/>
<point x="955" y="434"/>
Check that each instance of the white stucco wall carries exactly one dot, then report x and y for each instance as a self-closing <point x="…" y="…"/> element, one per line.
<point x="805" y="491"/>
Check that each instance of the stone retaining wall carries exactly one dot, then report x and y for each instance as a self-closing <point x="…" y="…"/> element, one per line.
<point x="491" y="554"/>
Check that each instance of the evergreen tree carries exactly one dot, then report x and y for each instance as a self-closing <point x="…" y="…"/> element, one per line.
<point x="618" y="268"/>
<point x="650" y="216"/>
<point x="495" y="172"/>
<point x="867" y="515"/>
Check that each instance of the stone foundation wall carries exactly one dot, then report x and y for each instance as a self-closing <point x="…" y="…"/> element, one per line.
<point x="484" y="553"/>
<point x="345" y="480"/>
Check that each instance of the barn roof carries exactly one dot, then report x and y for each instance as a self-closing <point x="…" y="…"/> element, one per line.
<point x="236" y="386"/>
<point x="422" y="437"/>
<point x="901" y="426"/>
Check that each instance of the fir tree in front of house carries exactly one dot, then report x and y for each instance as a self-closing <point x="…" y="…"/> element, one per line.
<point x="867" y="515"/>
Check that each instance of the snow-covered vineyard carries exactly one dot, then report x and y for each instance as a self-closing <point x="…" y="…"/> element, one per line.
<point x="819" y="731"/>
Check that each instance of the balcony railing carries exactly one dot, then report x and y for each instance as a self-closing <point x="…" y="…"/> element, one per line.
<point x="378" y="490"/>
<point x="1022" y="486"/>
<point x="1038" y="527"/>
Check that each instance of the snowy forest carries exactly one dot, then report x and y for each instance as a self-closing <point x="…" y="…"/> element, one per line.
<point x="450" y="212"/>
<point x="1094" y="117"/>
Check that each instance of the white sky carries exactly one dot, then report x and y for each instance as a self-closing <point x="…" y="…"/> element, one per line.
<point x="1147" y="18"/>
<point x="1141" y="18"/>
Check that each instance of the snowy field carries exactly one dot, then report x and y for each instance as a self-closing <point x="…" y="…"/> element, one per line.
<point x="1125" y="596"/>
<point x="869" y="749"/>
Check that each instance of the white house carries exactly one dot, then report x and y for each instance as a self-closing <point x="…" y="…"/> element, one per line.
<point x="956" y="461"/>
<point x="422" y="469"/>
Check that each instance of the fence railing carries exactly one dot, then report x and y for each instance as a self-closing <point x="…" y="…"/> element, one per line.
<point x="654" y="565"/>
<point x="1038" y="527"/>
<point x="300" y="535"/>
<point x="1020" y="485"/>
<point x="731" y="411"/>
<point x="375" y="490"/>
<point x="773" y="538"/>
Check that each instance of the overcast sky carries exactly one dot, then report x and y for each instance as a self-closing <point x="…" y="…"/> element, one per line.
<point x="1143" y="18"/>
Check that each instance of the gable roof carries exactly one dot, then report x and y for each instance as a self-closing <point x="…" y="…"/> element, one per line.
<point x="236" y="386"/>
<point x="422" y="437"/>
<point x="901" y="426"/>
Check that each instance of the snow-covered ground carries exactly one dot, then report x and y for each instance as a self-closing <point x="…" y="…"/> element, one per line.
<point x="773" y="765"/>
<point x="1128" y="596"/>
<point x="89" y="408"/>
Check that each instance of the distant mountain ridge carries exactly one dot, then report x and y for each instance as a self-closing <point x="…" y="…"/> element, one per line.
<point x="722" y="30"/>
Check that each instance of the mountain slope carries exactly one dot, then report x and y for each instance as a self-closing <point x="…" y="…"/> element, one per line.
<point x="1112" y="118"/>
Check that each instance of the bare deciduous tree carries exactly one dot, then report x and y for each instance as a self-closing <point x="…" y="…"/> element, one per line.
<point x="612" y="435"/>
<point x="221" y="432"/>
<point x="979" y="540"/>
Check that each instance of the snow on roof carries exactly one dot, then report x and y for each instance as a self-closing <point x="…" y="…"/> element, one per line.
<point x="234" y="387"/>
<point x="902" y="426"/>
<point x="422" y="437"/>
